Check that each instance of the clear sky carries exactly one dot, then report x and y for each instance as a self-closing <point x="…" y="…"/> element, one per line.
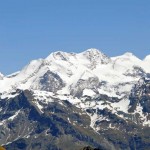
<point x="31" y="29"/>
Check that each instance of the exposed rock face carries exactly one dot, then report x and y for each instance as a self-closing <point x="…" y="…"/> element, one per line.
<point x="140" y="96"/>
<point x="96" y="57"/>
<point x="61" y="125"/>
<point x="90" y="83"/>
<point x="57" y="126"/>
<point x="90" y="148"/>
<point x="136" y="72"/>
<point x="1" y="76"/>
<point x="51" y="82"/>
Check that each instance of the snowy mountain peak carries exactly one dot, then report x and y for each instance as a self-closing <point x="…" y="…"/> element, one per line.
<point x="147" y="58"/>
<point x="91" y="56"/>
<point x="127" y="58"/>
<point x="59" y="55"/>
<point x="93" y="51"/>
<point x="94" y="55"/>
<point x="128" y="54"/>
<point x="68" y="68"/>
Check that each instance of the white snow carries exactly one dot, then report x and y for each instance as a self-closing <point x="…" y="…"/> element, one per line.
<point x="121" y="105"/>
<point x="14" y="116"/>
<point x="10" y="118"/>
<point x="7" y="95"/>
<point x="88" y="92"/>
<point x="147" y="58"/>
<point x="69" y="120"/>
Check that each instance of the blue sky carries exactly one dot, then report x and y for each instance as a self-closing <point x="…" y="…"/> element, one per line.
<point x="30" y="29"/>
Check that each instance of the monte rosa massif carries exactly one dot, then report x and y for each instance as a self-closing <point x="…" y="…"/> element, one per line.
<point x="68" y="101"/>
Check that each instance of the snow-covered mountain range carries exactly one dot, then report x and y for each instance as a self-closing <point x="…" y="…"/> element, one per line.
<point x="90" y="81"/>
<point x="69" y="68"/>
